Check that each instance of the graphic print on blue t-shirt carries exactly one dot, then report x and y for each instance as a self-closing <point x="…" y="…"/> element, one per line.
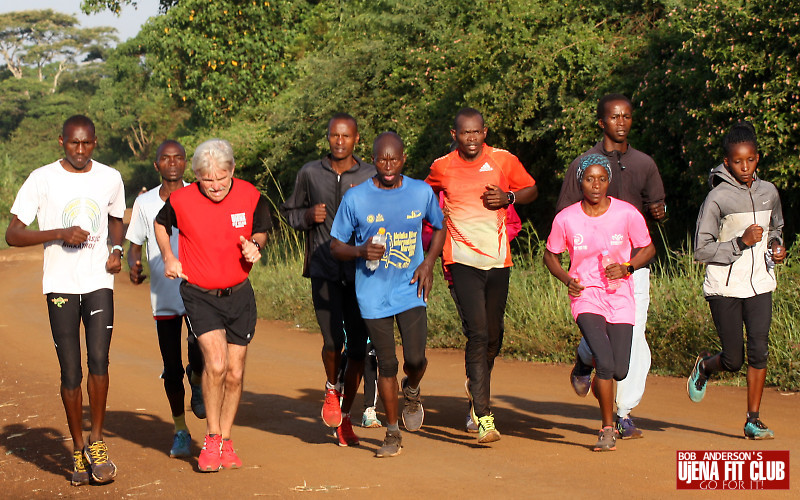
<point x="364" y="210"/>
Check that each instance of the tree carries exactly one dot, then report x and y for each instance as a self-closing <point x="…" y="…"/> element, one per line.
<point x="709" y="66"/>
<point x="43" y="38"/>
<point x="224" y="56"/>
<point x="115" y="6"/>
<point x="140" y="123"/>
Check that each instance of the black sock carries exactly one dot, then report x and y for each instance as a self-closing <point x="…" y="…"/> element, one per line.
<point x="752" y="416"/>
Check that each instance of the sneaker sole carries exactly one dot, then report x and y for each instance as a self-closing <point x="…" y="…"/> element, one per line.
<point x="635" y="436"/>
<point x="389" y="454"/>
<point x="489" y="437"/>
<point x="180" y="455"/>
<point x="613" y="448"/>
<point x="371" y="425"/>
<point x="209" y="469"/>
<point x="103" y="481"/>
<point x="80" y="482"/>
<point x="756" y="438"/>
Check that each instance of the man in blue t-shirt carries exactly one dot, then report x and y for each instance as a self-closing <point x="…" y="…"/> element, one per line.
<point x="397" y="289"/>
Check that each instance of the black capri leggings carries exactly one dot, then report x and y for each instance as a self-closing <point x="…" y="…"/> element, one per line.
<point x="730" y="315"/>
<point x="413" y="326"/>
<point x="337" y="311"/>
<point x="610" y="343"/>
<point x="96" y="310"/>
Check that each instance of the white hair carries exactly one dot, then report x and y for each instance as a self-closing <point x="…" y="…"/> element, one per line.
<point x="211" y="155"/>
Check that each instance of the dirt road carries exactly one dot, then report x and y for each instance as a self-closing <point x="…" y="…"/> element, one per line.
<point x="287" y="452"/>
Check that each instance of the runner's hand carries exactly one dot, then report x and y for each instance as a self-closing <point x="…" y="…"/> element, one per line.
<point x="74" y="235"/>
<point x="136" y="274"/>
<point x="250" y="251"/>
<point x="114" y="263"/>
<point x="574" y="287"/>
<point x="423" y="277"/>
<point x="173" y="268"/>
<point x="371" y="251"/>
<point x="658" y="210"/>
<point x="615" y="271"/>
<point x="752" y="234"/>
<point x="316" y="214"/>
<point x="778" y="252"/>
<point x="494" y="197"/>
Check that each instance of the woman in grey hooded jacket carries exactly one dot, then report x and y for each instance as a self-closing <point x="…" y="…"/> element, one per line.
<point x="739" y="239"/>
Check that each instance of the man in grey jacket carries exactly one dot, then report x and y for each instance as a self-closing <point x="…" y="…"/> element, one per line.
<point x="319" y="188"/>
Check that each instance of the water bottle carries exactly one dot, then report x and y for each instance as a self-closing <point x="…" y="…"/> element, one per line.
<point x="378" y="239"/>
<point x="606" y="261"/>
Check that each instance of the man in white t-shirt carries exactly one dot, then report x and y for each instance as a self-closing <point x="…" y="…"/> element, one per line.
<point x="165" y="295"/>
<point x="78" y="203"/>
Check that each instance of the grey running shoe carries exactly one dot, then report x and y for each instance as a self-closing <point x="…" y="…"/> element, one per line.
<point x="413" y="413"/>
<point x="607" y="440"/>
<point x="627" y="429"/>
<point x="103" y="469"/>
<point x="80" y="471"/>
<point x="197" y="403"/>
<point x="392" y="445"/>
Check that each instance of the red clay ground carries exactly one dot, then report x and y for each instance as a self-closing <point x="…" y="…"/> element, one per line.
<point x="287" y="452"/>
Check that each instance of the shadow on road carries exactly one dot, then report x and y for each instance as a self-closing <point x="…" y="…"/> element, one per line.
<point x="43" y="447"/>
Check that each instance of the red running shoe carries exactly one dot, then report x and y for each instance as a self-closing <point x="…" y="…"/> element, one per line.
<point x="228" y="457"/>
<point x="209" y="460"/>
<point x="345" y="433"/>
<point x="331" y="411"/>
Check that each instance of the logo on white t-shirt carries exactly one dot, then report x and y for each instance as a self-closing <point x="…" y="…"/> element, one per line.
<point x="83" y="212"/>
<point x="486" y="168"/>
<point x="238" y="220"/>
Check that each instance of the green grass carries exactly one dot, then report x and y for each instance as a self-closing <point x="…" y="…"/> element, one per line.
<point x="539" y="326"/>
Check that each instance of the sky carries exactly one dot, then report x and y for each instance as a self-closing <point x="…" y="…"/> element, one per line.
<point x="127" y="24"/>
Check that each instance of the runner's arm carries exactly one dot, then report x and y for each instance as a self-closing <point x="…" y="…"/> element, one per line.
<point x="135" y="264"/>
<point x="552" y="262"/>
<point x="367" y="251"/>
<point x="18" y="235"/>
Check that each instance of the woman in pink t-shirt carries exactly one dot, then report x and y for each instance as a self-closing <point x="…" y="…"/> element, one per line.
<point x="600" y="234"/>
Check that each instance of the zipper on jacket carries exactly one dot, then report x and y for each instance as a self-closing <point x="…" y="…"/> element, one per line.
<point x="730" y="270"/>
<point x="752" y="251"/>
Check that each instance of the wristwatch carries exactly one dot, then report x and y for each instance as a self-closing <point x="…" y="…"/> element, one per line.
<point x="121" y="250"/>
<point x="511" y="197"/>
<point x="629" y="267"/>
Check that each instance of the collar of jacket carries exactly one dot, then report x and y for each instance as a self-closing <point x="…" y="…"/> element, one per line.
<point x="326" y="162"/>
